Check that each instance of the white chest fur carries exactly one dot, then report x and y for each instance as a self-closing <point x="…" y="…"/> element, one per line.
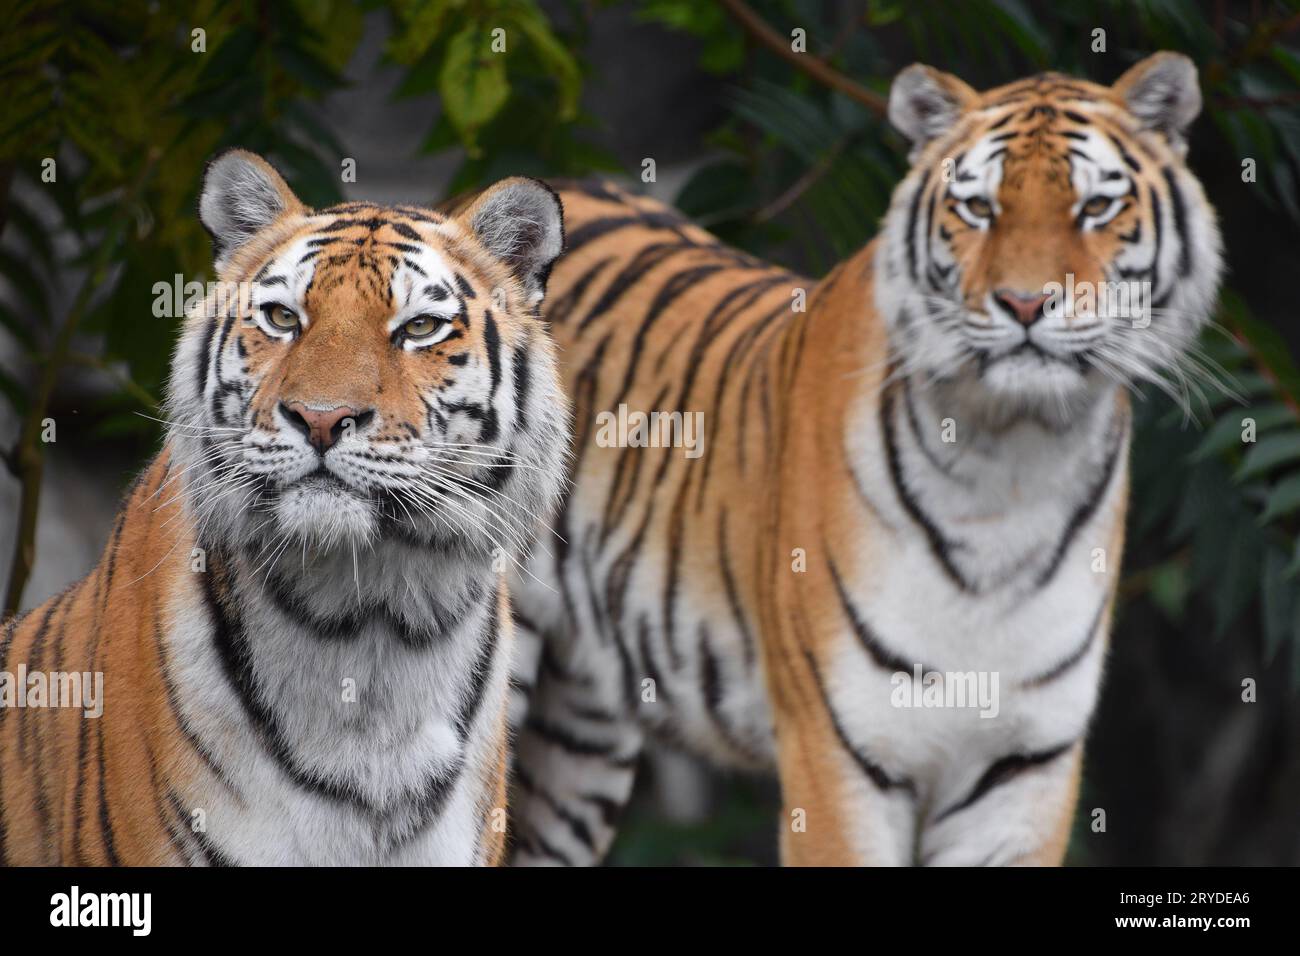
<point x="359" y="746"/>
<point x="993" y="575"/>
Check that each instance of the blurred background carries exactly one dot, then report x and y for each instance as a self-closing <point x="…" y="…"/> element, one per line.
<point x="108" y="111"/>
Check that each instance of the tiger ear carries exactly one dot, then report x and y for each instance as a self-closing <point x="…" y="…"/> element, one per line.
<point x="242" y="194"/>
<point x="521" y="222"/>
<point x="925" y="102"/>
<point x="1163" y="92"/>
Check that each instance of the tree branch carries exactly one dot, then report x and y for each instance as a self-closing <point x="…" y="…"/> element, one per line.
<point x="129" y="385"/>
<point x="1257" y="102"/>
<point x="822" y="72"/>
<point x="801" y="185"/>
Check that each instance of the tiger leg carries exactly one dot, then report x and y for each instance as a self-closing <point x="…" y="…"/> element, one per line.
<point x="575" y="761"/>
<point x="1023" y="819"/>
<point x="833" y="812"/>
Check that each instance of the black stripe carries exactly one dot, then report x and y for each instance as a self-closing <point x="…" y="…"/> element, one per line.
<point x="914" y="424"/>
<point x="1132" y="163"/>
<point x="598" y="228"/>
<point x="623" y="488"/>
<point x="1180" y="223"/>
<point x="648" y="662"/>
<point x="166" y="816"/>
<point x="575" y="745"/>
<point x="677" y="285"/>
<point x="1075" y="656"/>
<point x="732" y="592"/>
<point x="230" y="642"/>
<point x="205" y="354"/>
<point x="728" y="309"/>
<point x="1157" y="220"/>
<point x="736" y="353"/>
<point x="881" y="655"/>
<point x="173" y="701"/>
<point x="522" y="379"/>
<point x="105" y="816"/>
<point x="492" y="339"/>
<point x="610" y="809"/>
<point x="207" y="849"/>
<point x="481" y="672"/>
<point x="37" y="650"/>
<point x="940" y="546"/>
<point x="346" y="627"/>
<point x="78" y="798"/>
<point x="712" y="689"/>
<point x="405" y="231"/>
<point x="558" y="310"/>
<point x="1003" y="770"/>
<point x="535" y="844"/>
<point x="577" y="826"/>
<point x="641" y="264"/>
<point x="1090" y="503"/>
<point x="592" y="187"/>
<point x="929" y="231"/>
<point x="913" y="212"/>
<point x="875" y="773"/>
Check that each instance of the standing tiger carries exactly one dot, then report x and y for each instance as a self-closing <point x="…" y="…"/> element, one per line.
<point x="924" y="472"/>
<point x="300" y="618"/>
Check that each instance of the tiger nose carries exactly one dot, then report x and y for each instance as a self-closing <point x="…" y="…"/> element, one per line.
<point x="1025" y="307"/>
<point x="324" y="426"/>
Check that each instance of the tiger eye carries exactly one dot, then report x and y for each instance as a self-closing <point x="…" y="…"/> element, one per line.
<point x="281" y="317"/>
<point x="1096" y="205"/>
<point x="979" y="207"/>
<point x="422" y="326"/>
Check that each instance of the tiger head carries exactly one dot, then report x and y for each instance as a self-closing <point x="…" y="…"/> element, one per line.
<point x="1049" y="241"/>
<point x="370" y="372"/>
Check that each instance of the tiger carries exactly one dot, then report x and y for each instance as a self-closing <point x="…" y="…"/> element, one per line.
<point x="885" y="566"/>
<point x="302" y="615"/>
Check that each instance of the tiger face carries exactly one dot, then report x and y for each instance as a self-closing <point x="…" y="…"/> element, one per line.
<point x="376" y="372"/>
<point x="1049" y="240"/>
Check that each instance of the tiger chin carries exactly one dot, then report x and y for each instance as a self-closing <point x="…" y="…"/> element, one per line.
<point x="302" y="616"/>
<point x="913" y="493"/>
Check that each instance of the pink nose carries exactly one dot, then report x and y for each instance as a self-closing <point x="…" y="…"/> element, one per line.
<point x="323" y="427"/>
<point x="1025" y="307"/>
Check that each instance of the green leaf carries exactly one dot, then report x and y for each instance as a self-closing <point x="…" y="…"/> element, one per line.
<point x="1226" y="432"/>
<point x="420" y="30"/>
<point x="1283" y="499"/>
<point x="557" y="60"/>
<point x="1269" y="452"/>
<point x="473" y="83"/>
